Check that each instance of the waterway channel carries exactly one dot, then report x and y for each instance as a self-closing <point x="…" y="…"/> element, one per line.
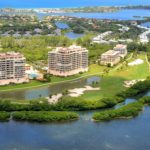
<point x="84" y="134"/>
<point x="47" y="90"/>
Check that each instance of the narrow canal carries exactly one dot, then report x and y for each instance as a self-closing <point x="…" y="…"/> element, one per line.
<point x="47" y="90"/>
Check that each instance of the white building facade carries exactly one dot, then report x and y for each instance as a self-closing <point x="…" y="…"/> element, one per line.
<point x="122" y="49"/>
<point x="113" y="57"/>
<point x="12" y="68"/>
<point x="68" y="61"/>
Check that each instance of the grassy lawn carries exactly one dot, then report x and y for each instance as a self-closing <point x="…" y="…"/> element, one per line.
<point x="140" y="71"/>
<point x="112" y="83"/>
<point x="109" y="86"/>
<point x="14" y="86"/>
<point x="93" y="69"/>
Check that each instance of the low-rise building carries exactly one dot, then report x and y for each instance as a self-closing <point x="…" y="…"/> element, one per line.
<point x="122" y="49"/>
<point x="101" y="37"/>
<point x="110" y="57"/>
<point x="68" y="61"/>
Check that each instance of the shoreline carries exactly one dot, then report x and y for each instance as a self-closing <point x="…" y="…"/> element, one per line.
<point x="90" y="6"/>
<point x="78" y="9"/>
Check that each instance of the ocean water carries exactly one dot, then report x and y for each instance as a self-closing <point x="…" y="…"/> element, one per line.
<point x="146" y="24"/>
<point x="126" y="14"/>
<point x="69" y="3"/>
<point x="132" y="134"/>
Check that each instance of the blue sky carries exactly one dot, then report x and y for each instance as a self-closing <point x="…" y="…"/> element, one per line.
<point x="68" y="3"/>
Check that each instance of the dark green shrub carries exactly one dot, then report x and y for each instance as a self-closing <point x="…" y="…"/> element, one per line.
<point x="145" y="100"/>
<point x="44" y="116"/>
<point x="130" y="110"/>
<point x="4" y="116"/>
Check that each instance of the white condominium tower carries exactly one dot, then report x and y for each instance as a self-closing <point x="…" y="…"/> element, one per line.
<point x="12" y="67"/>
<point x="68" y="61"/>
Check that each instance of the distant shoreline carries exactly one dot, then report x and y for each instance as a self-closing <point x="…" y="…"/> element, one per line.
<point x="90" y="9"/>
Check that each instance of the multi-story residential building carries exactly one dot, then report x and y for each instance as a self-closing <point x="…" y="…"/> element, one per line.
<point x="68" y="61"/>
<point x="12" y="68"/>
<point x="110" y="57"/>
<point x="114" y="56"/>
<point x="122" y="49"/>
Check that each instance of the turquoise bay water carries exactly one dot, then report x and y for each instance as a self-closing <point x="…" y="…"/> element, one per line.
<point x="84" y="134"/>
<point x="69" y="3"/>
<point x="120" y="15"/>
<point x="132" y="134"/>
<point x="146" y="24"/>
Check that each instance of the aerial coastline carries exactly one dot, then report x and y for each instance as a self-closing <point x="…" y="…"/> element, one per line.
<point x="101" y="9"/>
<point x="74" y="70"/>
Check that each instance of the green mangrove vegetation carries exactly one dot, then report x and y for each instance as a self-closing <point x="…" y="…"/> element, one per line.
<point x="80" y="105"/>
<point x="70" y="103"/>
<point x="42" y="111"/>
<point x="9" y="106"/>
<point x="145" y="100"/>
<point x="63" y="105"/>
<point x="4" y="116"/>
<point x="44" y="116"/>
<point x="138" y="88"/>
<point x="128" y="111"/>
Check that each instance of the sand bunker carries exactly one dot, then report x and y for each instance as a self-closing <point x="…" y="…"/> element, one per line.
<point x="72" y="92"/>
<point x="54" y="99"/>
<point x="136" y="62"/>
<point x="132" y="82"/>
<point x="80" y="91"/>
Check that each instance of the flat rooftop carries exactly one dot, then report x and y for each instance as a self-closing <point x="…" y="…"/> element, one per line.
<point x="11" y="55"/>
<point x="110" y="53"/>
<point x="120" y="46"/>
<point x="70" y="49"/>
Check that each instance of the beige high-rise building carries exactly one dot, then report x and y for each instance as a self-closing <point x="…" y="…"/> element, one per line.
<point x="12" y="68"/>
<point x="68" y="61"/>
